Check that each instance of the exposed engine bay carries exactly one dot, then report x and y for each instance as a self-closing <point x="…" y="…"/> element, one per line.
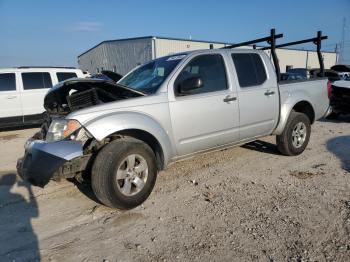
<point x="75" y="94"/>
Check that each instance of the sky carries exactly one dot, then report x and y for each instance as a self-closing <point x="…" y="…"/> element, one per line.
<point x="54" y="33"/>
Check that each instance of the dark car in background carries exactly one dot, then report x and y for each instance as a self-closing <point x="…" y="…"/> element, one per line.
<point x="329" y="73"/>
<point x="291" y="76"/>
<point x="340" y="92"/>
<point x="302" y="73"/>
<point x="343" y="71"/>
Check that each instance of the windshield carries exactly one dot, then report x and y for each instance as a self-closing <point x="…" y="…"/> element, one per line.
<point x="149" y="77"/>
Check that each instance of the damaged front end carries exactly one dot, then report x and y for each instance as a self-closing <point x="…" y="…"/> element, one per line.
<point x="64" y="148"/>
<point x="66" y="153"/>
<point x="42" y="160"/>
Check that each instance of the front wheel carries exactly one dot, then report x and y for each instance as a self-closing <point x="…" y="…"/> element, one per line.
<point x="124" y="173"/>
<point x="295" y="135"/>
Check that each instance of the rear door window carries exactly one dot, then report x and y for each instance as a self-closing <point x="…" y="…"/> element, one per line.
<point x="37" y="80"/>
<point x="250" y="69"/>
<point x="7" y="82"/>
<point x="61" y="76"/>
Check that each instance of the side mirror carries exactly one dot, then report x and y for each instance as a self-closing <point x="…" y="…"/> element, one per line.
<point x="190" y="84"/>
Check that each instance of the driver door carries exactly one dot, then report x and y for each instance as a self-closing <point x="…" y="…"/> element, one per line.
<point x="206" y="117"/>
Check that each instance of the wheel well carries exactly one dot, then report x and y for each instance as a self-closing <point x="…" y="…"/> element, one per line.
<point x="146" y="137"/>
<point x="306" y="108"/>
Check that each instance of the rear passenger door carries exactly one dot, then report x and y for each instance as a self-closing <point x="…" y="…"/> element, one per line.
<point x="34" y="88"/>
<point x="10" y="100"/>
<point x="258" y="96"/>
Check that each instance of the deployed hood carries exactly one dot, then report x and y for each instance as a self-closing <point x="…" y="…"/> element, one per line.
<point x="76" y="93"/>
<point x="108" y="75"/>
<point x="341" y="68"/>
<point x="342" y="83"/>
<point x="112" y="75"/>
<point x="329" y="73"/>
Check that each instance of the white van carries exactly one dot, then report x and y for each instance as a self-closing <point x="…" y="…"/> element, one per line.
<point x="22" y="92"/>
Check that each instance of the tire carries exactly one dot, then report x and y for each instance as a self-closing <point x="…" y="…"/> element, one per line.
<point x="112" y="181"/>
<point x="333" y="115"/>
<point x="288" y="143"/>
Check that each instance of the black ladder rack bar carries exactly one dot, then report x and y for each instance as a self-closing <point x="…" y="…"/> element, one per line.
<point x="272" y="43"/>
<point x="296" y="42"/>
<point x="316" y="40"/>
<point x="264" y="39"/>
<point x="271" y="40"/>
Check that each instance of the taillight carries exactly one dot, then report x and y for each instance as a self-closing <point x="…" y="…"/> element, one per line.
<point x="329" y="88"/>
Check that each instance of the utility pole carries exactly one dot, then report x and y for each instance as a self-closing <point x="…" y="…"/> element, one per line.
<point x="342" y="43"/>
<point x="336" y="53"/>
<point x="307" y="59"/>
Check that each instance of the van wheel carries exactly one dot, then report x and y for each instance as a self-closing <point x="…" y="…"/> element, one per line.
<point x="124" y="173"/>
<point x="295" y="136"/>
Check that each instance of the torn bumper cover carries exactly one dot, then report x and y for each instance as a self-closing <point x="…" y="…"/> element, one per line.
<point x="42" y="160"/>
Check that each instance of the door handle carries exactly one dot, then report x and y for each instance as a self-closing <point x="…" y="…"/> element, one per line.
<point x="229" y="99"/>
<point x="11" y="97"/>
<point x="269" y="93"/>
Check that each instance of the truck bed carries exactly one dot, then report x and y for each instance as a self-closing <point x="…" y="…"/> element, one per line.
<point x="313" y="90"/>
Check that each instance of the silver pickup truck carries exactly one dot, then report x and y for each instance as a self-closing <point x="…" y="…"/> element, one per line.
<point x="118" y="135"/>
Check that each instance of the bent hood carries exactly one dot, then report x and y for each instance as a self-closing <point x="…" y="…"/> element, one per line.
<point x="77" y="93"/>
<point x="341" y="68"/>
<point x="342" y="83"/>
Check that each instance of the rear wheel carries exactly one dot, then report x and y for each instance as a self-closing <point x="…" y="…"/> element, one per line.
<point x="124" y="173"/>
<point x="295" y="136"/>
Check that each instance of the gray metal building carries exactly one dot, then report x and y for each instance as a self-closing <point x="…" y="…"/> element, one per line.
<point x="122" y="55"/>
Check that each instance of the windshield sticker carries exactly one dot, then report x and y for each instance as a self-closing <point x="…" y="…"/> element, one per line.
<point x="178" y="57"/>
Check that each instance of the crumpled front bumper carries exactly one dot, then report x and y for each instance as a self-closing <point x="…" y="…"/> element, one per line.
<point x="42" y="159"/>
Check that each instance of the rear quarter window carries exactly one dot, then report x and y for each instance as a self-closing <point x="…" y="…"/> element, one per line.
<point x="61" y="76"/>
<point x="37" y="80"/>
<point x="250" y="69"/>
<point x="7" y="82"/>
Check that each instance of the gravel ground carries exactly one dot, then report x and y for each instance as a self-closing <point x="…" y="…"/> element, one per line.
<point x="240" y="204"/>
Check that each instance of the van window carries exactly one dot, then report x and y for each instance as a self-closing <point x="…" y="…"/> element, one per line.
<point x="61" y="76"/>
<point x="7" y="82"/>
<point x="250" y="69"/>
<point x="36" y="80"/>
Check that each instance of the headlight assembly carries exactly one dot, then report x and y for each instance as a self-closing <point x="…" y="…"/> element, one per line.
<point x="61" y="129"/>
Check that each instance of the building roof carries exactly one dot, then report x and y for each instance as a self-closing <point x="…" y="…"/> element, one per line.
<point x="150" y="37"/>
<point x="180" y="39"/>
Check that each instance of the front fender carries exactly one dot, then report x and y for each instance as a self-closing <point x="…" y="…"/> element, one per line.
<point x="103" y="126"/>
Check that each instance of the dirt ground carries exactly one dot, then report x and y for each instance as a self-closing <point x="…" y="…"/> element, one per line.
<point x="241" y="204"/>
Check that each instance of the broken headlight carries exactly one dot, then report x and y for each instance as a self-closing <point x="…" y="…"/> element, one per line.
<point x="61" y="129"/>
